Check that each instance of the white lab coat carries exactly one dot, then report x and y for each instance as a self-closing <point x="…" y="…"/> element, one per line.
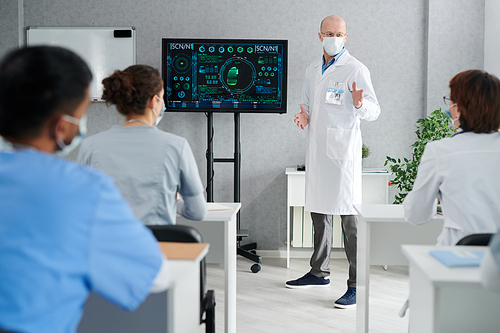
<point x="464" y="172"/>
<point x="333" y="158"/>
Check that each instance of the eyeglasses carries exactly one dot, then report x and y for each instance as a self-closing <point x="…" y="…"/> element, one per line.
<point x="447" y="100"/>
<point x="331" y="34"/>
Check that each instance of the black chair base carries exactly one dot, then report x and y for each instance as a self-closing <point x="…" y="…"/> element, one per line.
<point x="209" y="305"/>
<point x="248" y="251"/>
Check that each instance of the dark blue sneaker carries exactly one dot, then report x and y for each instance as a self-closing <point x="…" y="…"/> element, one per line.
<point x="308" y="281"/>
<point x="348" y="300"/>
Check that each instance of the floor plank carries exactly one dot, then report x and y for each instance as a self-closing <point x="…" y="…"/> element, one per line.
<point x="265" y="305"/>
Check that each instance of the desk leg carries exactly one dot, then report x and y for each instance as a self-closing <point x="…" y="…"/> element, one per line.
<point x="288" y="235"/>
<point x="423" y="302"/>
<point x="363" y="276"/>
<point x="230" y="276"/>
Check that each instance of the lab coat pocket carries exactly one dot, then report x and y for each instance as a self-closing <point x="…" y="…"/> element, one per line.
<point x="340" y="144"/>
<point x="335" y="93"/>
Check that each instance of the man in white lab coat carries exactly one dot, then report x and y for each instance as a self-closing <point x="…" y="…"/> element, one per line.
<point x="333" y="105"/>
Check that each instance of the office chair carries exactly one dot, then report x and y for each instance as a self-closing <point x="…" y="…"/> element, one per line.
<point x="187" y="234"/>
<point x="248" y="250"/>
<point x="476" y="239"/>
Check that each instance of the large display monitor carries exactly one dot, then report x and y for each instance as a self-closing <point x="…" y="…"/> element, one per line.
<point x="225" y="75"/>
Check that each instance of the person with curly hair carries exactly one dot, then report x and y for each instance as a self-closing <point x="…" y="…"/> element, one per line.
<point x="155" y="170"/>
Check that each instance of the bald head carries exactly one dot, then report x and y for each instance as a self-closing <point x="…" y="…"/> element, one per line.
<point x="333" y="19"/>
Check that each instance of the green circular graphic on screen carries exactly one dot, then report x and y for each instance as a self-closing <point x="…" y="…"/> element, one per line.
<point x="237" y="75"/>
<point x="182" y="63"/>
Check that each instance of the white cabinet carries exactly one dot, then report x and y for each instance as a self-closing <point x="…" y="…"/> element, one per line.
<point x="375" y="191"/>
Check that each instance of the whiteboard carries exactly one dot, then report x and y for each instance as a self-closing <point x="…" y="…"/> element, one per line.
<point x="105" y="49"/>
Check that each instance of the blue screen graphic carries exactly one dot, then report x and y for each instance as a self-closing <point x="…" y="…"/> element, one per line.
<point x="225" y="75"/>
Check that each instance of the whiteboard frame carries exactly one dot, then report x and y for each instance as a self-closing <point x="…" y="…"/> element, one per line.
<point x="96" y="45"/>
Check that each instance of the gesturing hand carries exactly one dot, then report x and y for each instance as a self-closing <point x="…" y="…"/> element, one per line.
<point x="301" y="118"/>
<point x="357" y="96"/>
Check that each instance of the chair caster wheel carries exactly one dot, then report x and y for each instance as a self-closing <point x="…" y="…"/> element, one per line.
<point x="255" y="268"/>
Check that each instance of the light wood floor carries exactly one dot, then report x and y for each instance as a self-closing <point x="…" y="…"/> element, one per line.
<point x="264" y="304"/>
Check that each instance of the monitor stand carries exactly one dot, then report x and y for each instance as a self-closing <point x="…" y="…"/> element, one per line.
<point x="247" y="250"/>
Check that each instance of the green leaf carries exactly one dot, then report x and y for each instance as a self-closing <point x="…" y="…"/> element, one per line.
<point x="434" y="127"/>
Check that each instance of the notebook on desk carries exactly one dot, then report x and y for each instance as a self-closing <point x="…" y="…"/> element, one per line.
<point x="458" y="257"/>
<point x="212" y="206"/>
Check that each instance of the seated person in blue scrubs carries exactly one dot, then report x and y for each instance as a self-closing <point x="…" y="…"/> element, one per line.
<point x="65" y="230"/>
<point x="463" y="170"/>
<point x="149" y="166"/>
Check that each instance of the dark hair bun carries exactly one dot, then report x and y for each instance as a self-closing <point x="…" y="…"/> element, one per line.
<point x="119" y="90"/>
<point x="131" y="88"/>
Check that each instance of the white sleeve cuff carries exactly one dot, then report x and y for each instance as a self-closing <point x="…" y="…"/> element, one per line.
<point x="162" y="279"/>
<point x="193" y="208"/>
<point x="360" y="112"/>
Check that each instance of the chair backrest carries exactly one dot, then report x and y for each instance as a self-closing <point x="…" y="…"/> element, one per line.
<point x="183" y="234"/>
<point x="176" y="233"/>
<point x="476" y="239"/>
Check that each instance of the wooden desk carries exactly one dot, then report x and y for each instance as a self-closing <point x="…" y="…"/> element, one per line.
<point x="444" y="299"/>
<point x="382" y="230"/>
<point x="176" y="310"/>
<point x="219" y="229"/>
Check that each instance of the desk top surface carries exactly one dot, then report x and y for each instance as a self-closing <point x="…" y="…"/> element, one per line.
<point x="385" y="213"/>
<point x="218" y="211"/>
<point x="368" y="171"/>
<point x="184" y="251"/>
<point x="437" y="272"/>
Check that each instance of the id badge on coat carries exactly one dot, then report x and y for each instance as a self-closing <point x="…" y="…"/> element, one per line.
<point x="335" y="93"/>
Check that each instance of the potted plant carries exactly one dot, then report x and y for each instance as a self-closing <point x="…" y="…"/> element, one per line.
<point x="365" y="151"/>
<point x="434" y="127"/>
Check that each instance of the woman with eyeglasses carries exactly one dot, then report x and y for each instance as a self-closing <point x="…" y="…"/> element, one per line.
<point x="150" y="166"/>
<point x="462" y="170"/>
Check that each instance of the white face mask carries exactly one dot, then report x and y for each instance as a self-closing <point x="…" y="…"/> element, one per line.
<point x="163" y="108"/>
<point x="333" y="45"/>
<point x="451" y="118"/>
<point x="82" y="131"/>
<point x="5" y="145"/>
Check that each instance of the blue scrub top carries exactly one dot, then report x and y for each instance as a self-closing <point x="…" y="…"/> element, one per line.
<point x="65" y="230"/>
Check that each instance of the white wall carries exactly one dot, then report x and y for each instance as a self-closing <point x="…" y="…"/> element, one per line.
<point x="492" y="37"/>
<point x="455" y="44"/>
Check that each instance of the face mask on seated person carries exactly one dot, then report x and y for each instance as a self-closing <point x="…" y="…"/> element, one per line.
<point x="82" y="131"/>
<point x="163" y="108"/>
<point x="452" y="120"/>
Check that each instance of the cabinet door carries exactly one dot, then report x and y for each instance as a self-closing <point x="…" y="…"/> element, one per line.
<point x="375" y="188"/>
<point x="297" y="189"/>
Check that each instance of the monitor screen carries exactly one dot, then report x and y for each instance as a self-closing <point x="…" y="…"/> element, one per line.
<point x="225" y="75"/>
